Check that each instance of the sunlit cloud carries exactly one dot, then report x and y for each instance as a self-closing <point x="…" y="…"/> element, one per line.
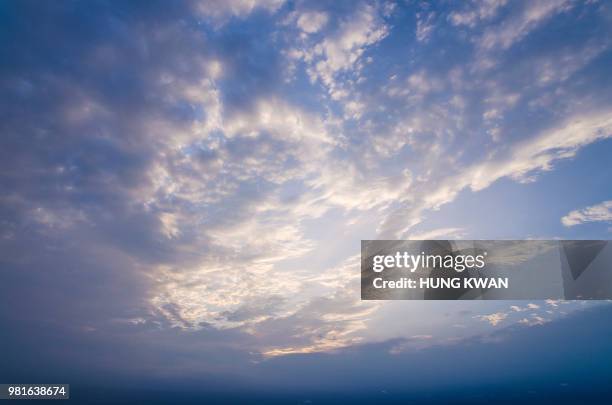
<point x="596" y="213"/>
<point x="214" y="179"/>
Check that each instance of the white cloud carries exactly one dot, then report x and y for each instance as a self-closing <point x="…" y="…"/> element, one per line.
<point x="494" y="319"/>
<point x="424" y="26"/>
<point x="518" y="162"/>
<point x="517" y="27"/>
<point x="342" y="49"/>
<point x="239" y="8"/>
<point x="446" y="233"/>
<point x="330" y="320"/>
<point x="533" y="320"/>
<point x="525" y="157"/>
<point x="353" y="109"/>
<point x="601" y="212"/>
<point x="481" y="10"/>
<point x="312" y="21"/>
<point x="560" y="66"/>
<point x="530" y="306"/>
<point x="231" y="196"/>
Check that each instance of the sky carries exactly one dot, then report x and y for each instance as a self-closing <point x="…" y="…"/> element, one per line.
<point x="185" y="186"/>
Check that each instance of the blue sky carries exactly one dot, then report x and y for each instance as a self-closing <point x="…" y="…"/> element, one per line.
<point x="199" y="174"/>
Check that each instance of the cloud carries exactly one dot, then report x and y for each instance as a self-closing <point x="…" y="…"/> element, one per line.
<point x="169" y="178"/>
<point x="519" y="26"/>
<point x="541" y="151"/>
<point x="529" y="306"/>
<point x="221" y="9"/>
<point x="559" y="66"/>
<point x="533" y="320"/>
<point x="425" y="26"/>
<point x="520" y="162"/>
<point x="494" y="319"/>
<point x="341" y="50"/>
<point x="417" y="342"/>
<point x="601" y="212"/>
<point x="478" y="11"/>
<point x="329" y="321"/>
<point x="312" y="21"/>
<point x="447" y="233"/>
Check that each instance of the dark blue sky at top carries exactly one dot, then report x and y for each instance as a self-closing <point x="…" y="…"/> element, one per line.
<point x="160" y="162"/>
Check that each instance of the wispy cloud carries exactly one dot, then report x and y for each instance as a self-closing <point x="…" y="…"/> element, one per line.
<point x="494" y="319"/>
<point x="211" y="166"/>
<point x="601" y="212"/>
